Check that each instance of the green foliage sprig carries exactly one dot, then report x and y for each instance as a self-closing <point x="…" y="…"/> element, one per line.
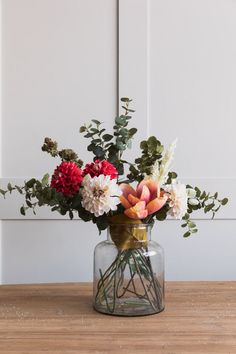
<point x="111" y="146"/>
<point x="206" y="201"/>
<point x="151" y="151"/>
<point x="38" y="193"/>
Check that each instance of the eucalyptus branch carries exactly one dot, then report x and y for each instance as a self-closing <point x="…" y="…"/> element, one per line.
<point x="205" y="200"/>
<point x="111" y="146"/>
<point x="201" y="200"/>
<point x="191" y="226"/>
<point x="151" y="151"/>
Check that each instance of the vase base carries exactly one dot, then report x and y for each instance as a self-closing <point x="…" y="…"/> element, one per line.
<point x="129" y="308"/>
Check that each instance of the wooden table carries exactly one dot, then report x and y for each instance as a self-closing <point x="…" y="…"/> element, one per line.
<point x="200" y="317"/>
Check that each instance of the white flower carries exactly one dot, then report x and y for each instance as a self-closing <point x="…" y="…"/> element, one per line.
<point x="193" y="201"/>
<point x="178" y="199"/>
<point x="100" y="194"/>
<point x="191" y="193"/>
<point x="160" y="170"/>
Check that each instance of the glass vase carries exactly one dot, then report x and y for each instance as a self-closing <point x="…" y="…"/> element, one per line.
<point x="128" y="272"/>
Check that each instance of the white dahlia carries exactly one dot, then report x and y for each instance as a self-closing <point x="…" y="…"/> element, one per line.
<point x="100" y="194"/>
<point x="178" y="199"/>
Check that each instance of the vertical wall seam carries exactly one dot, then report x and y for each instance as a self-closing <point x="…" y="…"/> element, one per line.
<point x="1" y="133"/>
<point x="148" y="66"/>
<point x="117" y="59"/>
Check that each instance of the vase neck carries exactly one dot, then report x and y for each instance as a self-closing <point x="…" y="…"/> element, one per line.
<point x="127" y="236"/>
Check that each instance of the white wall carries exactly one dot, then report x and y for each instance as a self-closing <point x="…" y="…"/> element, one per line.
<point x="176" y="59"/>
<point x="59" y="70"/>
<point x="0" y="134"/>
<point x="192" y="96"/>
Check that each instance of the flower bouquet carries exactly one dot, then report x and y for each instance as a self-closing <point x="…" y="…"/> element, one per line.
<point x="126" y="198"/>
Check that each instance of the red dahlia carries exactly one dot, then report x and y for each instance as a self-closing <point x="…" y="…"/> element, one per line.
<point x="98" y="168"/>
<point x="67" y="178"/>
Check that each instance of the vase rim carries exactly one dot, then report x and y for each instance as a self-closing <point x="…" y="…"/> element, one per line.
<point x="131" y="224"/>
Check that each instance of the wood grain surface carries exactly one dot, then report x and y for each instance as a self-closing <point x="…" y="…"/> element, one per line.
<point x="200" y="317"/>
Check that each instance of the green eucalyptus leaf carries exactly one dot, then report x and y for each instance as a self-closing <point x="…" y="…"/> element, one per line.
<point x="22" y="210"/>
<point x="55" y="208"/>
<point x="95" y="131"/>
<point x="63" y="211"/>
<point x="98" y="151"/>
<point x="143" y="145"/>
<point x="120" y="121"/>
<point x="194" y="231"/>
<point x="19" y="189"/>
<point x="82" y="129"/>
<point x="208" y="207"/>
<point x="91" y="147"/>
<point x="3" y="192"/>
<point x="29" y="203"/>
<point x="203" y="195"/>
<point x="186" y="216"/>
<point x="108" y="145"/>
<point x="102" y="222"/>
<point x="132" y="131"/>
<point x="133" y="169"/>
<point x="101" y="131"/>
<point x="9" y="187"/>
<point x="162" y="213"/>
<point x="191" y="224"/>
<point x="123" y="132"/>
<point x="173" y="175"/>
<point x="96" y="121"/>
<point x="120" y="146"/>
<point x="120" y="169"/>
<point x="152" y="142"/>
<point x="107" y="137"/>
<point x="45" y="179"/>
<point x="30" y="183"/>
<point x="198" y="192"/>
<point x="138" y="160"/>
<point x="125" y="99"/>
<point x="88" y="135"/>
<point x="84" y="214"/>
<point x="97" y="141"/>
<point x="216" y="209"/>
<point x="224" y="201"/>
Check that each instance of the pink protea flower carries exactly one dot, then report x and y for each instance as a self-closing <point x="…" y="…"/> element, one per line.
<point x="145" y="200"/>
